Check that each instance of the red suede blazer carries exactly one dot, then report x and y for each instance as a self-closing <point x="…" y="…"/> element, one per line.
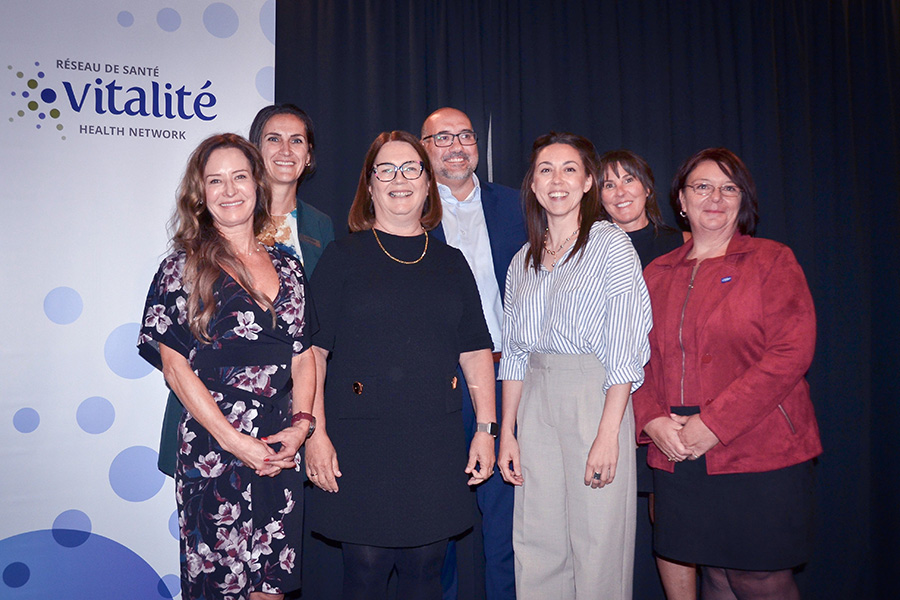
<point x="749" y="335"/>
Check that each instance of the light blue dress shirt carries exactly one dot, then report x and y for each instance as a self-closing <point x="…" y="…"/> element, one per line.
<point x="465" y="229"/>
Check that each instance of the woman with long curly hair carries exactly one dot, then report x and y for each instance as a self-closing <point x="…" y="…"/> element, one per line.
<point x="226" y="320"/>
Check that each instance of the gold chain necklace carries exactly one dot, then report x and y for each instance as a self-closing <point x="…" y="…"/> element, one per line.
<point x="566" y="241"/>
<point x="394" y="258"/>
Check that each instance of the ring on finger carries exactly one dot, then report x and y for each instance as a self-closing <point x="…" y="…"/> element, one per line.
<point x="597" y="476"/>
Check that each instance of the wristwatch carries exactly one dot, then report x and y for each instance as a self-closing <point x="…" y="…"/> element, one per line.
<point x="491" y="428"/>
<point x="305" y="416"/>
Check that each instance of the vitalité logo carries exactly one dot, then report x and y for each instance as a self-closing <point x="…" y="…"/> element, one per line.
<point x="37" y="104"/>
<point x="45" y="105"/>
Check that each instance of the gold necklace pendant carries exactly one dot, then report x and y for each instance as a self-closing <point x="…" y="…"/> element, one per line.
<point x="394" y="258"/>
<point x="566" y="241"/>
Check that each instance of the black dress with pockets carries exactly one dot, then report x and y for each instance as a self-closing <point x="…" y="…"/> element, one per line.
<point x="392" y="400"/>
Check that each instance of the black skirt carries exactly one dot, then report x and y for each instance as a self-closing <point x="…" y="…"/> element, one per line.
<point x="749" y="521"/>
<point x="644" y="472"/>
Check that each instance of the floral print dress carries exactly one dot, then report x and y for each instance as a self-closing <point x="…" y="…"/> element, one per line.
<point x="240" y="533"/>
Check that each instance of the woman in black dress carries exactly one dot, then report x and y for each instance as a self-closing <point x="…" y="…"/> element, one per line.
<point x="628" y="199"/>
<point x="226" y="322"/>
<point x="398" y="310"/>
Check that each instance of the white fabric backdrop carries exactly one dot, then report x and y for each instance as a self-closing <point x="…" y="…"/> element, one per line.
<point x="86" y="195"/>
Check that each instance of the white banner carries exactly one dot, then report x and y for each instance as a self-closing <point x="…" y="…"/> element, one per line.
<point x="102" y="102"/>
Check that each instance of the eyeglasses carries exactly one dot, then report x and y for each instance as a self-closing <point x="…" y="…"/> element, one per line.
<point x="729" y="190"/>
<point x="387" y="172"/>
<point x="445" y="138"/>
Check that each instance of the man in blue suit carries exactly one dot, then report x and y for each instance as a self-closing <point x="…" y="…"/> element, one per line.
<point x="485" y="222"/>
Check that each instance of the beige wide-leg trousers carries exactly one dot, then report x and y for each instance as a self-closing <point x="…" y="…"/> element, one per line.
<point x="571" y="541"/>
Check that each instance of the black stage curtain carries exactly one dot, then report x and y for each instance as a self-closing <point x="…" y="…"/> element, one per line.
<point x="806" y="92"/>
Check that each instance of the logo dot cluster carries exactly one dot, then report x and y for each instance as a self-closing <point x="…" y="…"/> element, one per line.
<point x="37" y="102"/>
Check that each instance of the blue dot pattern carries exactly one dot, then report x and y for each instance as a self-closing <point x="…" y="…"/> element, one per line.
<point x="95" y="415"/>
<point x="72" y="519"/>
<point x="265" y="83"/>
<point x="125" y="19"/>
<point x="220" y="20"/>
<point x="26" y="420"/>
<point x="63" y="305"/>
<point x="173" y="524"/>
<point x="16" y="574"/>
<point x="168" y="19"/>
<point x="70" y="560"/>
<point x="71" y="528"/>
<point x="169" y="586"/>
<point x="121" y="353"/>
<point x="267" y="20"/>
<point x="133" y="474"/>
<point x="98" y="568"/>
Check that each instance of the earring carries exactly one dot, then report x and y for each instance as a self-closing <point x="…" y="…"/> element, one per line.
<point x="683" y="214"/>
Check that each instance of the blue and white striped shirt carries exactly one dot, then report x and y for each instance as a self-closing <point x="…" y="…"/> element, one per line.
<point x="595" y="303"/>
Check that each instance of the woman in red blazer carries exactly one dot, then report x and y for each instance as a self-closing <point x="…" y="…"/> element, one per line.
<point x="725" y="406"/>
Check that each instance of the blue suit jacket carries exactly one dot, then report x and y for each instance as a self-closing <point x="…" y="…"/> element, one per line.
<point x="506" y="227"/>
<point x="506" y="230"/>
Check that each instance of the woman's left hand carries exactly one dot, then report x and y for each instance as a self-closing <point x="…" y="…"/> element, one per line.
<point x="481" y="453"/>
<point x="601" y="461"/>
<point x="695" y="435"/>
<point x="508" y="460"/>
<point x="291" y="438"/>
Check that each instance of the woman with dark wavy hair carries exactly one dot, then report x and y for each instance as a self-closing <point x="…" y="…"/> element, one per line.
<point x="398" y="311"/>
<point x="725" y="408"/>
<point x="226" y="320"/>
<point x="286" y="139"/>
<point x="628" y="199"/>
<point x="576" y="318"/>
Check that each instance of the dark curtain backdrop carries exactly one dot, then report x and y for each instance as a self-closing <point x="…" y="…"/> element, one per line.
<point x="807" y="93"/>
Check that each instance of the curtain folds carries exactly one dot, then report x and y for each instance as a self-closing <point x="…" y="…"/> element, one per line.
<point x="807" y="93"/>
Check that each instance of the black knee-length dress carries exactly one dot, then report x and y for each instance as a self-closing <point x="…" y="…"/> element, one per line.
<point x="392" y="400"/>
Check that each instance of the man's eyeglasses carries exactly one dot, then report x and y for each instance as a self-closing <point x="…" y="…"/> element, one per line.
<point x="445" y="138"/>
<point x="387" y="172"/>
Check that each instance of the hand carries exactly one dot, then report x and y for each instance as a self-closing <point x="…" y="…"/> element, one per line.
<point x="508" y="459"/>
<point x="290" y="438"/>
<point x="253" y="453"/>
<point x="697" y="438"/>
<point x="602" y="458"/>
<point x="481" y="453"/>
<point x="321" y="462"/>
<point x="664" y="433"/>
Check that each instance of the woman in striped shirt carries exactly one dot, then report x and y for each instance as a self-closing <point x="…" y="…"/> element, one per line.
<point x="575" y="327"/>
